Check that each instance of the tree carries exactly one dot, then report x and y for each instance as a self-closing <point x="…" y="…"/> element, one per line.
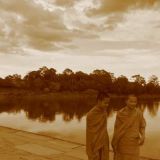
<point x="153" y="85"/>
<point x="139" y="84"/>
<point x="139" y="79"/>
<point x="101" y="80"/>
<point x="48" y="74"/>
<point x="31" y="79"/>
<point x="120" y="85"/>
<point x="13" y="80"/>
<point x="68" y="72"/>
<point x="154" y="80"/>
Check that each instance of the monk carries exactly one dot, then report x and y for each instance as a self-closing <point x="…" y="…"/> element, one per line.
<point x="129" y="132"/>
<point x="97" y="140"/>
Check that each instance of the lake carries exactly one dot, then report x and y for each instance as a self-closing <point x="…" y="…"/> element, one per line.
<point x="66" y="119"/>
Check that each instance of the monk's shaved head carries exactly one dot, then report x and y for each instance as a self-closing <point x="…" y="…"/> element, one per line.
<point x="131" y="101"/>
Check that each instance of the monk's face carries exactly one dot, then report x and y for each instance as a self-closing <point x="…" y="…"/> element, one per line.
<point x="131" y="102"/>
<point x="105" y="102"/>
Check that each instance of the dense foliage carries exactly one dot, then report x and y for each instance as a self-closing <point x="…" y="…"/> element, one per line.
<point x="48" y="80"/>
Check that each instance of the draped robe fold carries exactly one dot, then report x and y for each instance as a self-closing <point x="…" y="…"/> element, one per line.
<point x="97" y="140"/>
<point x="128" y="128"/>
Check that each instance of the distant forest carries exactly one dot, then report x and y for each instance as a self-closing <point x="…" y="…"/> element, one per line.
<point x="48" y="80"/>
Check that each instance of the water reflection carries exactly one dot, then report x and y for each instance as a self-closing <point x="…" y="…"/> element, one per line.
<point x="151" y="106"/>
<point x="44" y="110"/>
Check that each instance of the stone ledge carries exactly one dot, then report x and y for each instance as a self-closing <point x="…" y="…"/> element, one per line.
<point x="17" y="144"/>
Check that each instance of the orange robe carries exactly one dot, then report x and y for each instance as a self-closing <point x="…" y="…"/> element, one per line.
<point x="128" y="128"/>
<point x="97" y="140"/>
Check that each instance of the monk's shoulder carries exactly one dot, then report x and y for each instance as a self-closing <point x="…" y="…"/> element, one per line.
<point x="90" y="112"/>
<point x="121" y="110"/>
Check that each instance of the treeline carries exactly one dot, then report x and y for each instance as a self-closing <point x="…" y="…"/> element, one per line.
<point x="48" y="80"/>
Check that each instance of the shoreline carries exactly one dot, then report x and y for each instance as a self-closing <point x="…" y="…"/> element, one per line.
<point x="66" y="94"/>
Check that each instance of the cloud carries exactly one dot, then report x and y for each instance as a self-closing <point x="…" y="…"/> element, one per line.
<point x="115" y="10"/>
<point x="113" y="6"/>
<point x="42" y="25"/>
<point x="32" y="24"/>
<point x="96" y="47"/>
<point x="28" y="24"/>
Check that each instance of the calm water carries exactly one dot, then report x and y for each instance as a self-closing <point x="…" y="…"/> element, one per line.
<point x="66" y="119"/>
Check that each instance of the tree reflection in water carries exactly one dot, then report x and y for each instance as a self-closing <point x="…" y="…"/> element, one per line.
<point x="44" y="110"/>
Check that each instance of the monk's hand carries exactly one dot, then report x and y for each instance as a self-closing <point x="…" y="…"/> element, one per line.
<point x="141" y="141"/>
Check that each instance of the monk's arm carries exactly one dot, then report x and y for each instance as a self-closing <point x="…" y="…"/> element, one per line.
<point x="142" y="129"/>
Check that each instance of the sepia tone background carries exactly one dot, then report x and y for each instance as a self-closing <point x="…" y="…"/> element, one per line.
<point x="56" y="55"/>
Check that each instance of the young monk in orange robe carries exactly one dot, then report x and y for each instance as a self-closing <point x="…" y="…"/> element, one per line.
<point x="97" y="140"/>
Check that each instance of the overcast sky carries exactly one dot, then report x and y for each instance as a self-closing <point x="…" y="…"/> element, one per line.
<point x="120" y="36"/>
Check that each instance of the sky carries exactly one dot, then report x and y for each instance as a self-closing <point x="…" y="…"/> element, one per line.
<point x="120" y="36"/>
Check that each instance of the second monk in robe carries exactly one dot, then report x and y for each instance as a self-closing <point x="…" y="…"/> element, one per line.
<point x="129" y="132"/>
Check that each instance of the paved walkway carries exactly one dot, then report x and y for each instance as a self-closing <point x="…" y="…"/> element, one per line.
<point x="21" y="145"/>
